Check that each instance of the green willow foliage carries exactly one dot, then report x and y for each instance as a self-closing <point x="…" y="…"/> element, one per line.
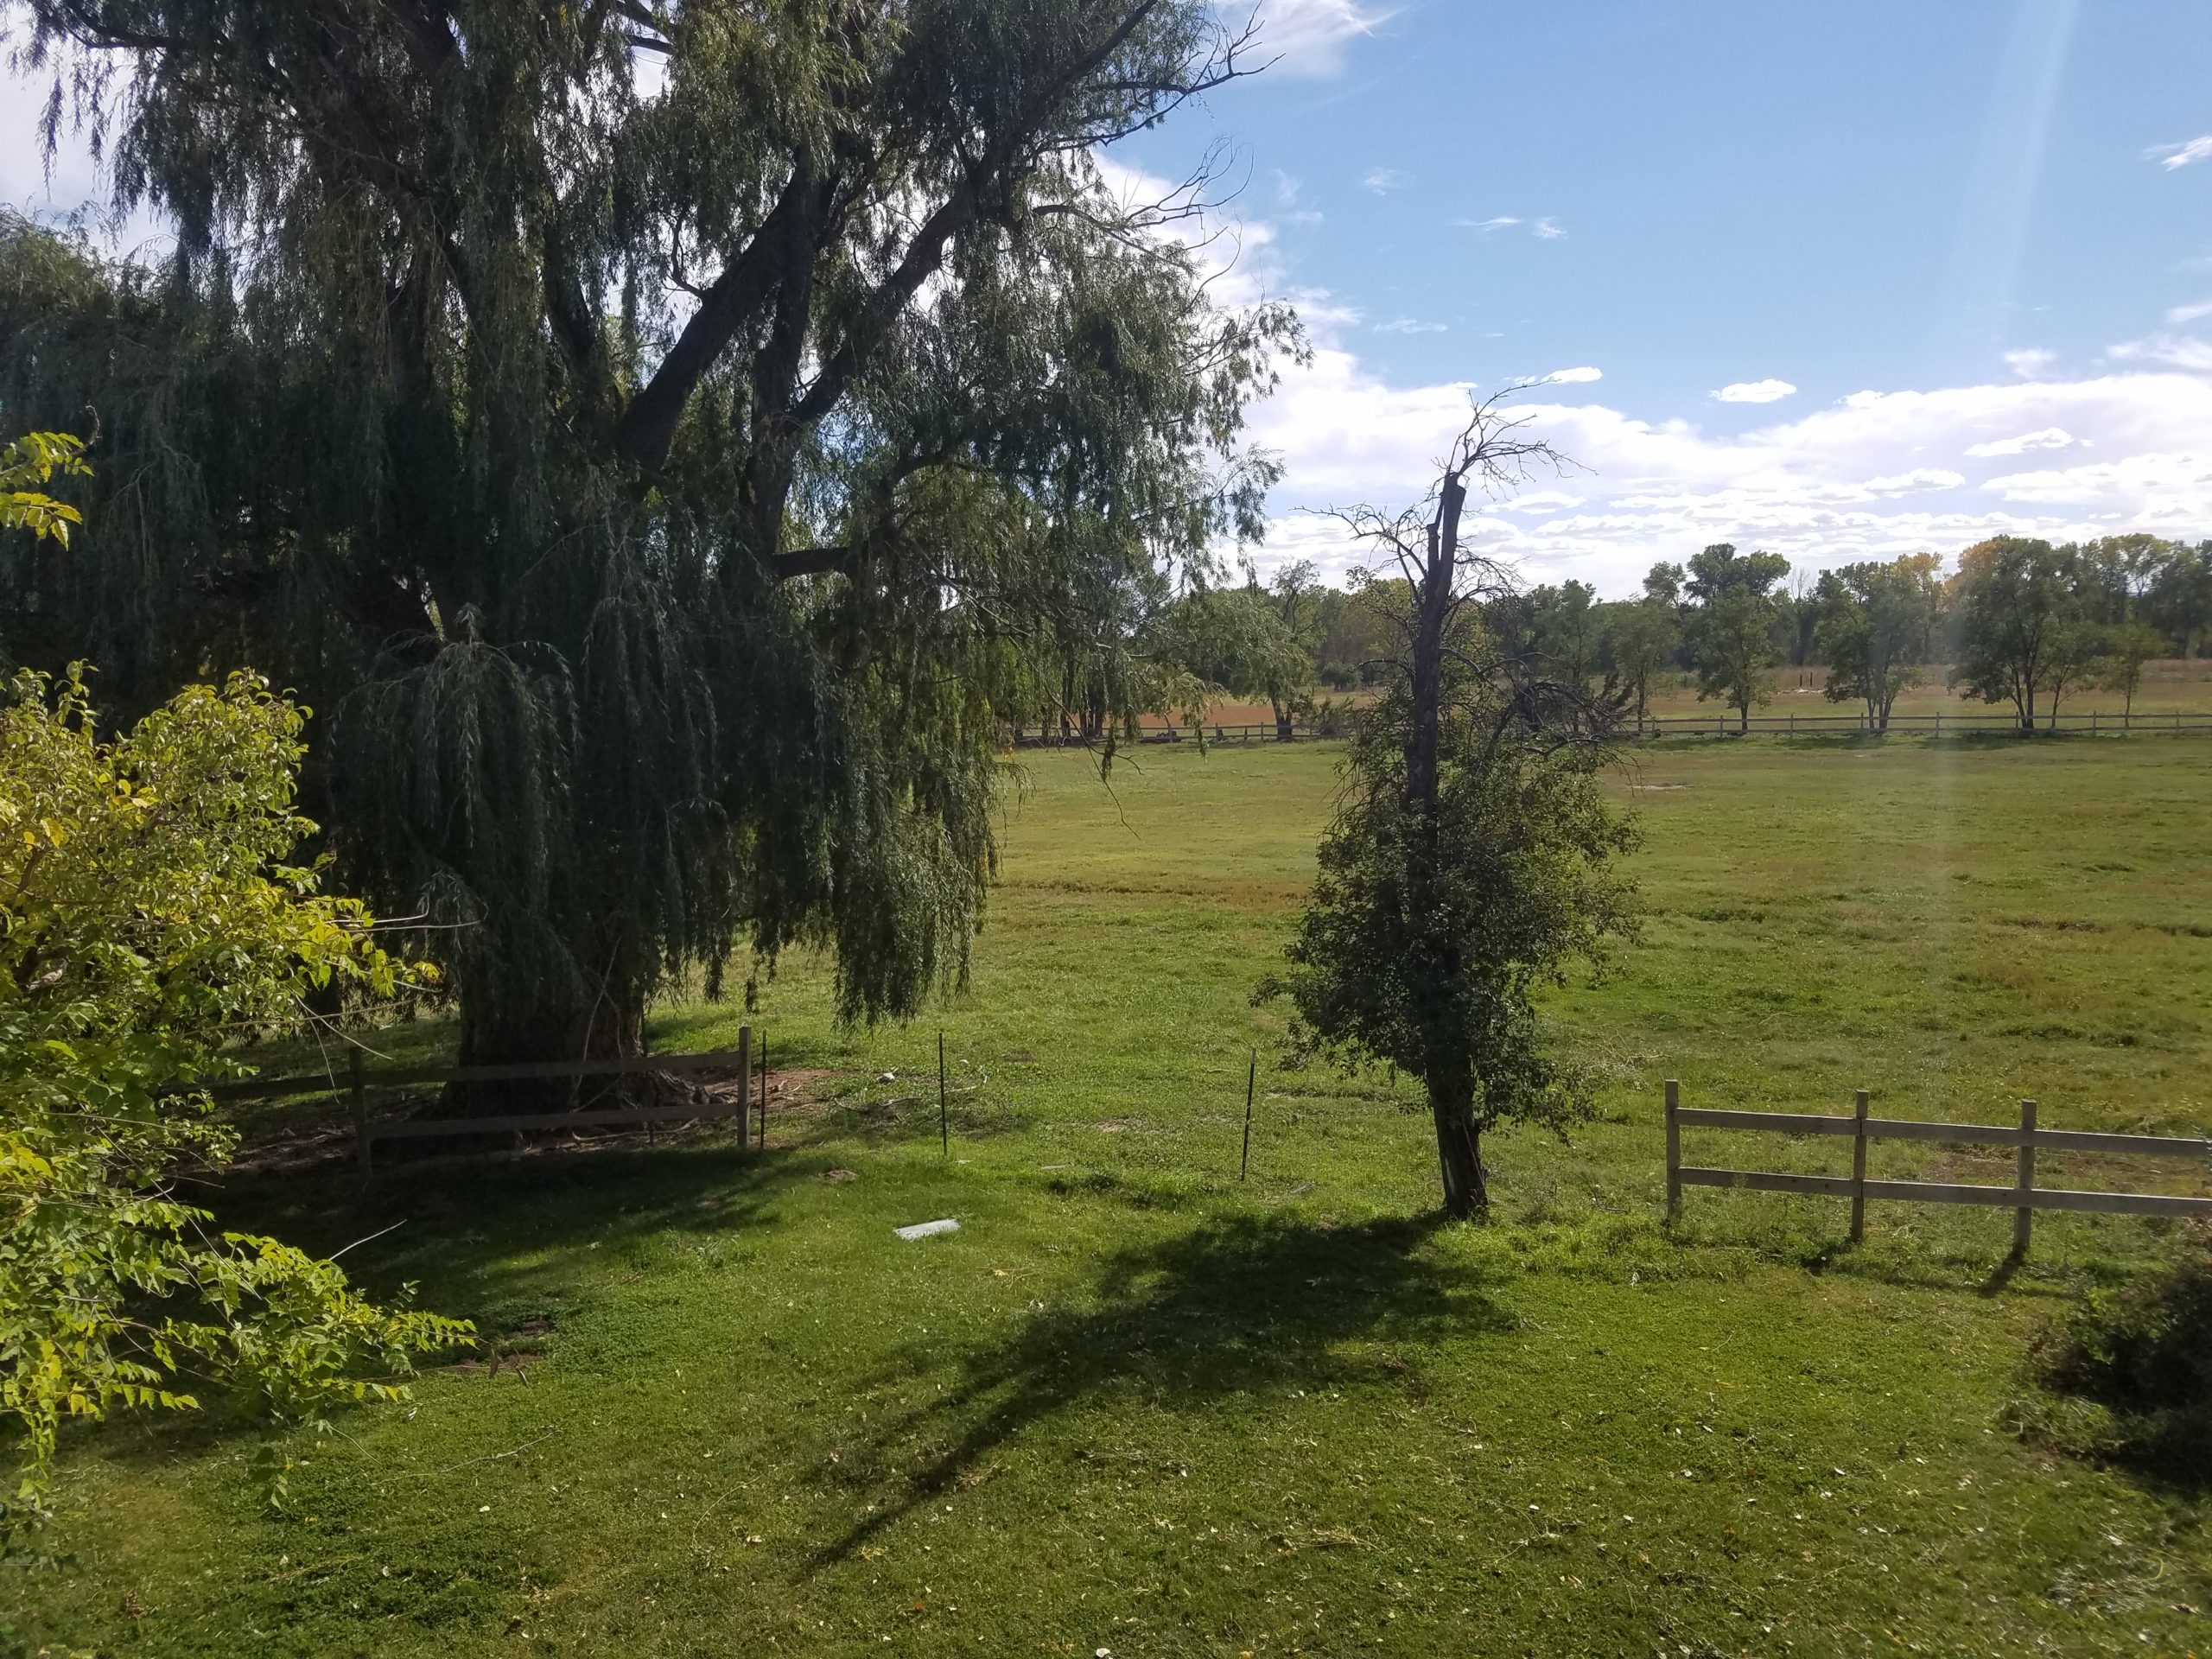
<point x="663" y="439"/>
<point x="147" y="914"/>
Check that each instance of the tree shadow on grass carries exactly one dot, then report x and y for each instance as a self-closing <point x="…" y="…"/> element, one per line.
<point x="495" y="1241"/>
<point x="1228" y="1307"/>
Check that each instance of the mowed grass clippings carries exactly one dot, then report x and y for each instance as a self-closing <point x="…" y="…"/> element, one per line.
<point x="1136" y="1405"/>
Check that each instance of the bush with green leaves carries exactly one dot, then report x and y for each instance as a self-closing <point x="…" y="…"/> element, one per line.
<point x="150" y="918"/>
<point x="2141" y="1357"/>
<point x="26" y="465"/>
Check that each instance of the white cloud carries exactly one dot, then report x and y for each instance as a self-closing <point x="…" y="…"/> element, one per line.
<point x="1754" y="391"/>
<point x="1287" y="189"/>
<point x="2174" y="156"/>
<point x="2051" y="437"/>
<point x="1851" y="481"/>
<point x="2182" y="314"/>
<point x="1384" y="180"/>
<point x="2029" y="361"/>
<point x="1408" y="326"/>
<point x="2168" y="486"/>
<point x="1573" y="377"/>
<point x="1549" y="229"/>
<point x="2181" y="351"/>
<point x="1308" y="37"/>
<point x="1486" y="225"/>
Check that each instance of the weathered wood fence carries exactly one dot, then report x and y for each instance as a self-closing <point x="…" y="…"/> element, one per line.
<point x="2024" y="1198"/>
<point x="358" y="1080"/>
<point x="1264" y="731"/>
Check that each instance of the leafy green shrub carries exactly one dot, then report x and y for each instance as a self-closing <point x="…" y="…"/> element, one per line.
<point x="31" y="460"/>
<point x="147" y="915"/>
<point x="2143" y="1355"/>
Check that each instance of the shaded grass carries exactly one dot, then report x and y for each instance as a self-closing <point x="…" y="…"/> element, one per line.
<point x="1135" y="1404"/>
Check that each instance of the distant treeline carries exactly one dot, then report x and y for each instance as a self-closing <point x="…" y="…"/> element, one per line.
<point x="2016" y="621"/>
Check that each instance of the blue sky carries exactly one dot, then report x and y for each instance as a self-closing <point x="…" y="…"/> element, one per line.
<point x="1946" y="226"/>
<point x="1842" y="280"/>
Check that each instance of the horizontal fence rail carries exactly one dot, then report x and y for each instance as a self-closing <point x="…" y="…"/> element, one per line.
<point x="2024" y="1198"/>
<point x="1262" y="731"/>
<point x="358" y="1080"/>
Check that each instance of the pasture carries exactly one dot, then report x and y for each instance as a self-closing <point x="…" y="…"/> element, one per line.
<point x="1136" y="1406"/>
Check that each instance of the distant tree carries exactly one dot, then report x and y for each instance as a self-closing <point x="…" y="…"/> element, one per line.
<point x="2076" y="656"/>
<point x="1233" y="641"/>
<point x="2179" y="599"/>
<point x="1643" y="635"/>
<point x="1568" y="630"/>
<point x="1663" y="584"/>
<point x="2020" y="623"/>
<point x="1297" y="591"/>
<point x="2126" y="649"/>
<point x="1873" y="617"/>
<point x="1802" y="613"/>
<point x="1470" y="858"/>
<point x="1721" y="570"/>
<point x="1732" y="629"/>
<point x="1355" y="638"/>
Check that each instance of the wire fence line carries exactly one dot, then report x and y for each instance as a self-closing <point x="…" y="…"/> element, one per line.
<point x="2092" y="722"/>
<point x="2096" y="721"/>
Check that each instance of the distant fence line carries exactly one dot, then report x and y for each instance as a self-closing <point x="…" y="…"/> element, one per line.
<point x="2024" y="1198"/>
<point x="2096" y="721"/>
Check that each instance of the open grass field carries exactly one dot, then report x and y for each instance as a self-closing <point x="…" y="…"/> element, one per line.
<point x="1136" y="1407"/>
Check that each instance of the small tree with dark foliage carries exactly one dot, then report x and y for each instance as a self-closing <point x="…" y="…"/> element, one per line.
<point x="1471" y="858"/>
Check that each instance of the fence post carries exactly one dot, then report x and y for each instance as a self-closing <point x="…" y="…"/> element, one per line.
<point x="360" y="1087"/>
<point x="944" y="1123"/>
<point x="744" y="1083"/>
<point x="1673" y="1150"/>
<point x="763" y="1089"/>
<point x="1859" y="1169"/>
<point x="2024" y="1217"/>
<point x="1251" y="1082"/>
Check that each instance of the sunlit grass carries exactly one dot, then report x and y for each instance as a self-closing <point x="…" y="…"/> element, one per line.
<point x="1134" y="1404"/>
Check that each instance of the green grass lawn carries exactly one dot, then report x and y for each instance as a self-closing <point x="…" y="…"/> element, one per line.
<point x="1135" y="1405"/>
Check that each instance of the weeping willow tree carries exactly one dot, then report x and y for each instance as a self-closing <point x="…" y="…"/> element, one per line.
<point x="652" y="436"/>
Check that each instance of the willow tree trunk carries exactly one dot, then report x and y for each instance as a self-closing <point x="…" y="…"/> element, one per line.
<point x="610" y="1027"/>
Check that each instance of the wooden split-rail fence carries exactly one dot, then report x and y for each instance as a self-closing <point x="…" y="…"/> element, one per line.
<point x="2024" y="1198"/>
<point x="359" y="1080"/>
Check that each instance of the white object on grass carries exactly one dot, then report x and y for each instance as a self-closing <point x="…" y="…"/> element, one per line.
<point x="928" y="1229"/>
